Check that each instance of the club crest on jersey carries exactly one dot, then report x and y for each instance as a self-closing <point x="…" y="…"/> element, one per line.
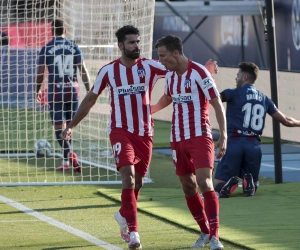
<point x="182" y="98"/>
<point x="141" y="72"/>
<point x="132" y="89"/>
<point x="187" y="83"/>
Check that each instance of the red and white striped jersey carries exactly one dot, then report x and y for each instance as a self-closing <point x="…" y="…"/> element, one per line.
<point x="130" y="93"/>
<point x="191" y="93"/>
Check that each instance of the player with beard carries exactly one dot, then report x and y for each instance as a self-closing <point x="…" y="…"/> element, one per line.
<point x="130" y="80"/>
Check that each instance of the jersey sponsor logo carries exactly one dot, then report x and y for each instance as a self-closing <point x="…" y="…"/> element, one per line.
<point x="141" y="72"/>
<point x="182" y="98"/>
<point x="207" y="83"/>
<point x="247" y="133"/>
<point x="187" y="83"/>
<point x="133" y="89"/>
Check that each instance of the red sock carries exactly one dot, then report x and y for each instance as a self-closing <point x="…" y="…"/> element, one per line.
<point x="121" y="208"/>
<point x="196" y="207"/>
<point x="211" y="204"/>
<point x="129" y="209"/>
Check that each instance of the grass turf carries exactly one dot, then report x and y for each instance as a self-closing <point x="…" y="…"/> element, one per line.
<point x="255" y="223"/>
<point x="249" y="222"/>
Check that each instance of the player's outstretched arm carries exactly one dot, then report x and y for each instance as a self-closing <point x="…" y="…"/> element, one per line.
<point x="286" y="120"/>
<point x="163" y="102"/>
<point x="221" y="144"/>
<point x="84" y="75"/>
<point x="87" y="103"/>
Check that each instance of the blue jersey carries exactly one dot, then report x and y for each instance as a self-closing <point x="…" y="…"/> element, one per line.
<point x="60" y="56"/>
<point x="246" y="112"/>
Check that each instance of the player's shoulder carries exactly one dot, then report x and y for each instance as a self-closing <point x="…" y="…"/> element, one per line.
<point x="109" y="66"/>
<point x="49" y="44"/>
<point x="199" y="69"/>
<point x="152" y="62"/>
<point x="169" y="74"/>
<point x="197" y="66"/>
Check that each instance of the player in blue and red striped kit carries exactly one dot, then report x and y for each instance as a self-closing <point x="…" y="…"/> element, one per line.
<point x="62" y="57"/>
<point x="246" y="112"/>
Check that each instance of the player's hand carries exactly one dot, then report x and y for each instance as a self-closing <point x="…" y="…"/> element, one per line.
<point x="220" y="147"/>
<point x="38" y="96"/>
<point x="66" y="134"/>
<point x="212" y="66"/>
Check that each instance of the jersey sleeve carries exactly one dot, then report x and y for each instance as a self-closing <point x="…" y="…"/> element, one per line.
<point x="166" y="90"/>
<point x="272" y="109"/>
<point x="101" y="81"/>
<point x="158" y="68"/>
<point x="78" y="56"/>
<point x="227" y="95"/>
<point x="42" y="56"/>
<point x="208" y="85"/>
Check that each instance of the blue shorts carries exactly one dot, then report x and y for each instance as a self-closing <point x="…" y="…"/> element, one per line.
<point x="240" y="158"/>
<point x="61" y="112"/>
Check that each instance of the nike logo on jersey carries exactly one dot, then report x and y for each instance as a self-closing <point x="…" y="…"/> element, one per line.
<point x="132" y="89"/>
<point x="182" y="98"/>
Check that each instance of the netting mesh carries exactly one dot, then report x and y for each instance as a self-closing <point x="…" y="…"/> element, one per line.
<point x="89" y="23"/>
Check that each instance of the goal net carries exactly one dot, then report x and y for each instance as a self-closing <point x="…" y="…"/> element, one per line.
<point x="27" y="25"/>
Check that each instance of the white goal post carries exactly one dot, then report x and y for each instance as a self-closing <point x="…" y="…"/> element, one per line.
<point x="91" y="24"/>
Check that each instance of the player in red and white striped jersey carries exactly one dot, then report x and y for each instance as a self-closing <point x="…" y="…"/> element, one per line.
<point x="130" y="93"/>
<point x="130" y="80"/>
<point x="191" y="88"/>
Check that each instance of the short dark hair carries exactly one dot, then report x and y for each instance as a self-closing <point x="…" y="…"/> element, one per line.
<point x="126" y="30"/>
<point x="171" y="43"/>
<point x="250" y="68"/>
<point x="58" y="27"/>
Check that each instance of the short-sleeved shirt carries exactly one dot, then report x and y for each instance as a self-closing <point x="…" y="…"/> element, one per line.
<point x="60" y="56"/>
<point x="190" y="93"/>
<point x="130" y="93"/>
<point x="246" y="112"/>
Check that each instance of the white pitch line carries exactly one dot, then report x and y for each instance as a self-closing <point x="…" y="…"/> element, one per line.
<point x="272" y="166"/>
<point x="59" y="224"/>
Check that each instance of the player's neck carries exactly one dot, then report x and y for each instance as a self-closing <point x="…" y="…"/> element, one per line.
<point x="127" y="62"/>
<point x="183" y="64"/>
